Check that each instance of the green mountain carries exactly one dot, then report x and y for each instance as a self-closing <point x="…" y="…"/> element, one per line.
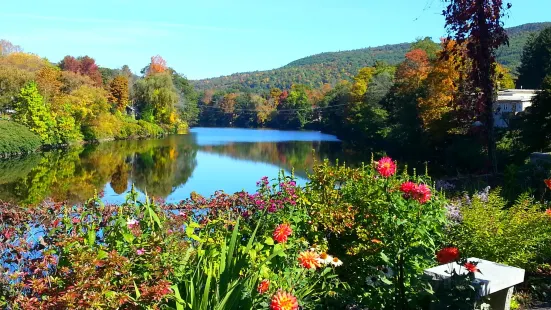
<point x="332" y="67"/>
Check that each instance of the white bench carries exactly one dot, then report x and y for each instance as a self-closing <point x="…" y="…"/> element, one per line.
<point x="495" y="280"/>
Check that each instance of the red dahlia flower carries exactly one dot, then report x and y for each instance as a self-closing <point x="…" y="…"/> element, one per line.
<point x="548" y="212"/>
<point x="386" y="167"/>
<point x="284" y="301"/>
<point x="447" y="255"/>
<point x="282" y="232"/>
<point x="408" y="188"/>
<point x="263" y="286"/>
<point x="548" y="183"/>
<point x="422" y="193"/>
<point x="471" y="267"/>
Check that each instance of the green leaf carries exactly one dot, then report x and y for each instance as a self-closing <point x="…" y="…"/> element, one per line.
<point x="137" y="290"/>
<point x="384" y="258"/>
<point x="102" y="254"/>
<point x="269" y="241"/>
<point x="91" y="236"/>
<point x="128" y="237"/>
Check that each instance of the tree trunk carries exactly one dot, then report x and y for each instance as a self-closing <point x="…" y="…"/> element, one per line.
<point x="485" y="64"/>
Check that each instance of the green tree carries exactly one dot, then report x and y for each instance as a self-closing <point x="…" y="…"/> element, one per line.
<point x="535" y="122"/>
<point x="156" y="97"/>
<point x="33" y="113"/>
<point x="187" y="106"/>
<point x="295" y="110"/>
<point x="428" y="45"/>
<point x="536" y="60"/>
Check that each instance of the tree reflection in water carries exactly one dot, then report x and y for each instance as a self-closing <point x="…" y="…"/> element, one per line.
<point x="155" y="166"/>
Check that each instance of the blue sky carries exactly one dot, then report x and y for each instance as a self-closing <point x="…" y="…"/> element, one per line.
<point x="209" y="38"/>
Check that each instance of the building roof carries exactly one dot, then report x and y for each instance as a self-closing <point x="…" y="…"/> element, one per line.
<point x="522" y="95"/>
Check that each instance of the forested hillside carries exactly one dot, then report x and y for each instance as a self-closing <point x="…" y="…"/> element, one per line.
<point x="332" y="67"/>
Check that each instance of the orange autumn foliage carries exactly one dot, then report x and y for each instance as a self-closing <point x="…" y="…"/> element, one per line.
<point x="413" y="71"/>
<point x="158" y="65"/>
<point x="441" y="90"/>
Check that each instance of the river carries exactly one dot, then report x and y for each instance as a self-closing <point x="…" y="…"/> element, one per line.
<point x="205" y="160"/>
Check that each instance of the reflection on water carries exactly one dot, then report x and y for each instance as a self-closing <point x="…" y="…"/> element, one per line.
<point x="172" y="167"/>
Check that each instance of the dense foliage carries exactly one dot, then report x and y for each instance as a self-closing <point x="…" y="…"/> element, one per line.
<point x="76" y="100"/>
<point x="350" y="238"/>
<point x="17" y="139"/>
<point x="333" y="67"/>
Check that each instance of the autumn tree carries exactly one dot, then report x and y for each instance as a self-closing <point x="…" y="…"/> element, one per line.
<point x="12" y="79"/>
<point x="118" y="92"/>
<point x="70" y="63"/>
<point x="361" y="80"/>
<point x="440" y="92"/>
<point x="429" y="46"/>
<point x="478" y="24"/>
<point x="503" y="78"/>
<point x="83" y="65"/>
<point x="157" y="65"/>
<point x="49" y="82"/>
<point x="24" y="61"/>
<point x="413" y="71"/>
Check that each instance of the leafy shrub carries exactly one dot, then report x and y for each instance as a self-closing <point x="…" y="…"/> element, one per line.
<point x="108" y="126"/>
<point x="16" y="139"/>
<point x="149" y="255"/>
<point x="518" y="236"/>
<point x="385" y="226"/>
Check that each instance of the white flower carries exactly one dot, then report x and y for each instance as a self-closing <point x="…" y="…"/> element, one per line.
<point x="131" y="223"/>
<point x="325" y="259"/>
<point x="372" y="280"/>
<point x="387" y="271"/>
<point x="336" y="262"/>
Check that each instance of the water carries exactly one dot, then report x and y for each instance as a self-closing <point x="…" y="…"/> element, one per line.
<point x="206" y="160"/>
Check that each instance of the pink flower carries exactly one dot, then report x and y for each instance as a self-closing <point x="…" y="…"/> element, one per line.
<point x="422" y="193"/>
<point x="419" y="192"/>
<point x="408" y="188"/>
<point x="131" y="223"/>
<point x="140" y="251"/>
<point x="386" y="167"/>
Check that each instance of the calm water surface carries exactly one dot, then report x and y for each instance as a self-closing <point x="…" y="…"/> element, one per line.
<point x="206" y="160"/>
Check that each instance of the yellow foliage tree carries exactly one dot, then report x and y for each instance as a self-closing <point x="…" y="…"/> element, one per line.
<point x="441" y="89"/>
<point x="49" y="83"/>
<point x="361" y="80"/>
<point x="118" y="92"/>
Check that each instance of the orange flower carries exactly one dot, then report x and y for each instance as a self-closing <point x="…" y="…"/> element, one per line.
<point x="263" y="286"/>
<point x="283" y="301"/>
<point x="309" y="259"/>
<point x="548" y="212"/>
<point x="282" y="232"/>
<point x="376" y="241"/>
<point x="471" y="267"/>
<point x="548" y="183"/>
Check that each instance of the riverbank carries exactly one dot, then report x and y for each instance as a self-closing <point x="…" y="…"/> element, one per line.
<point x="18" y="140"/>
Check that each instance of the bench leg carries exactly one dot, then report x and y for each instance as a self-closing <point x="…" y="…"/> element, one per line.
<point x="501" y="300"/>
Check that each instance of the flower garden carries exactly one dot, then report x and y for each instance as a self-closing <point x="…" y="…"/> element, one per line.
<point x="351" y="238"/>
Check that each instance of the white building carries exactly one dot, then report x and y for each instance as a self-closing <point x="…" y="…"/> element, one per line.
<point x="509" y="103"/>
